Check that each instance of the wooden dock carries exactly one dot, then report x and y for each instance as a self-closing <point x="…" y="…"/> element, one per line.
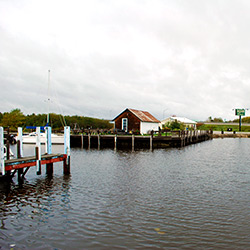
<point x="31" y="161"/>
<point x="175" y="139"/>
<point x="21" y="165"/>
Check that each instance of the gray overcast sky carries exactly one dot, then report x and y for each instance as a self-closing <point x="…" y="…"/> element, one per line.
<point x="184" y="57"/>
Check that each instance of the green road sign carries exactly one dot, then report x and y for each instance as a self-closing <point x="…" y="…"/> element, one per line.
<point x="240" y="112"/>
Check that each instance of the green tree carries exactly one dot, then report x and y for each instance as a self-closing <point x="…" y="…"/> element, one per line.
<point x="175" y="125"/>
<point x="218" y="119"/>
<point x="13" y="120"/>
<point x="210" y="119"/>
<point x="246" y="119"/>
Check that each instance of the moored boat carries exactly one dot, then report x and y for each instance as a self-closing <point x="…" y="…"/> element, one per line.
<point x="31" y="138"/>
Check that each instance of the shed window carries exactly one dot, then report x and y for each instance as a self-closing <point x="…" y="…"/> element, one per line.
<point x="125" y="124"/>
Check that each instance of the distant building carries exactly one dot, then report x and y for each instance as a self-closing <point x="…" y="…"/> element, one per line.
<point x="136" y="120"/>
<point x="185" y="121"/>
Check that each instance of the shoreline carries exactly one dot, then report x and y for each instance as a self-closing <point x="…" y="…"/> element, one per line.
<point x="226" y="134"/>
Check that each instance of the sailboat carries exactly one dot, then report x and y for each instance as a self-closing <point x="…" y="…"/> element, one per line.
<point x="31" y="137"/>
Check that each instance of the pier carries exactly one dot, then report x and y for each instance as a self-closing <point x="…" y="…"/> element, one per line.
<point x="21" y="165"/>
<point x="153" y="141"/>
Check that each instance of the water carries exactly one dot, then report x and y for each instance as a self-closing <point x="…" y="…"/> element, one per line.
<point x="197" y="197"/>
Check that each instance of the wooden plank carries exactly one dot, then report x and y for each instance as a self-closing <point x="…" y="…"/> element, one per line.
<point x="31" y="161"/>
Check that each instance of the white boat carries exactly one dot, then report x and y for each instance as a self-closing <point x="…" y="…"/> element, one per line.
<point x="31" y="138"/>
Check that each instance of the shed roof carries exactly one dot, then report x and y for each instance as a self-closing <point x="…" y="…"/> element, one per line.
<point x="144" y="116"/>
<point x="180" y="119"/>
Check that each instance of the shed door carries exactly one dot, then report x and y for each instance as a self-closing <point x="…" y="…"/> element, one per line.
<point x="125" y="124"/>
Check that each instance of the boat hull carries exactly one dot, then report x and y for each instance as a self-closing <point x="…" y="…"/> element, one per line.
<point x="31" y="139"/>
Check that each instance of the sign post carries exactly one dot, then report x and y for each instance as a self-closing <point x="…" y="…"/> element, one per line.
<point x="240" y="112"/>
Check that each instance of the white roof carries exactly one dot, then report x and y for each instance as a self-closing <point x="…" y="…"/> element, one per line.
<point x="180" y="119"/>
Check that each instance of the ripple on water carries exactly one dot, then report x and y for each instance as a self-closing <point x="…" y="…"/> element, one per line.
<point x="189" y="198"/>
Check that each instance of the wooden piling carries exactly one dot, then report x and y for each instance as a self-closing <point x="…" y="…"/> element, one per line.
<point x="66" y="162"/>
<point x="66" y="166"/>
<point x="133" y="142"/>
<point x="48" y="150"/>
<point x="48" y="142"/>
<point x="38" y="151"/>
<point x="49" y="169"/>
<point x="18" y="149"/>
<point x="99" y="141"/>
<point x="115" y="141"/>
<point x="89" y="140"/>
<point x="38" y="162"/>
<point x="20" y="142"/>
<point x="151" y="142"/>
<point x="20" y="176"/>
<point x="82" y="141"/>
<point x="2" y="162"/>
<point x="7" y="149"/>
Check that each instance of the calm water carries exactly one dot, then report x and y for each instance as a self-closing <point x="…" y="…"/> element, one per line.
<point x="197" y="197"/>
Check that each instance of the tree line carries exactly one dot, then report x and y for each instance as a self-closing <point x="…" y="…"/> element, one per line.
<point x="244" y="119"/>
<point x="15" y="118"/>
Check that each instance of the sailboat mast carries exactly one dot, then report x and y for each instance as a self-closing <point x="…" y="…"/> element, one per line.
<point x="48" y="97"/>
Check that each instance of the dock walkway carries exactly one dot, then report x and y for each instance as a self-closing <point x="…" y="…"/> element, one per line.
<point x="21" y="165"/>
<point x="31" y="161"/>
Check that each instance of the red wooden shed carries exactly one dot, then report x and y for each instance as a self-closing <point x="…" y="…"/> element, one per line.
<point x="137" y="121"/>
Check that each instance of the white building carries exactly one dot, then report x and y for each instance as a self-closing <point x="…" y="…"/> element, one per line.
<point x="185" y="121"/>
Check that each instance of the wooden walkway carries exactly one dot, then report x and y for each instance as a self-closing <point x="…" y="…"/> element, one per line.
<point x="31" y="161"/>
<point x="22" y="165"/>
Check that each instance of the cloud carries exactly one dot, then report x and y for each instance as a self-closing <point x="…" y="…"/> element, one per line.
<point x="188" y="58"/>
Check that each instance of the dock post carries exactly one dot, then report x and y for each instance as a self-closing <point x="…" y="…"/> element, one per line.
<point x="82" y="140"/>
<point x="20" y="142"/>
<point x="66" y="163"/>
<point x="20" y="176"/>
<point x="38" y="151"/>
<point x="48" y="143"/>
<point x="151" y="140"/>
<point x="115" y="141"/>
<point x="99" y="141"/>
<point x="89" y="140"/>
<point x="2" y="164"/>
<point x="48" y="150"/>
<point x="133" y="142"/>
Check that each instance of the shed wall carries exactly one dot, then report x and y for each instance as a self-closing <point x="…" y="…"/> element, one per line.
<point x="148" y="126"/>
<point x="133" y="121"/>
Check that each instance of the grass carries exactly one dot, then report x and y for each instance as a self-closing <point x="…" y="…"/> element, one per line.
<point x="224" y="127"/>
